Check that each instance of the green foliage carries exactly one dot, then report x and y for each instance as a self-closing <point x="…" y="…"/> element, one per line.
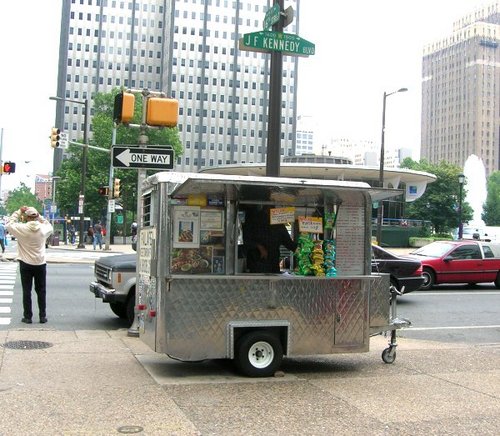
<point x="22" y="196"/>
<point x="439" y="204"/>
<point x="491" y="211"/>
<point x="98" y="162"/>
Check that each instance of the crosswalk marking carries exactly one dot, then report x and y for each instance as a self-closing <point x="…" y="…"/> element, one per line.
<point x="8" y="274"/>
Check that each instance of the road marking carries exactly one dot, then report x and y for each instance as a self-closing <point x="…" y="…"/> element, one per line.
<point x="8" y="275"/>
<point x="434" y="294"/>
<point x="463" y="327"/>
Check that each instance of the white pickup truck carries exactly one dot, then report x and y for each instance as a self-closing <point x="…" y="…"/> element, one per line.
<point x="115" y="284"/>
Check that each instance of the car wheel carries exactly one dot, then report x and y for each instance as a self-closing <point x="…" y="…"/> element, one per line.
<point x="258" y="354"/>
<point x="429" y="279"/>
<point x="130" y="315"/>
<point x="119" y="309"/>
<point x="497" y="281"/>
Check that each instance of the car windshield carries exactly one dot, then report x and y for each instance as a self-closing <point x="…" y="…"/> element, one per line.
<point x="435" y="249"/>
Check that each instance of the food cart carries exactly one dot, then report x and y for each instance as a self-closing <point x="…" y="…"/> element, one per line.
<point x="196" y="299"/>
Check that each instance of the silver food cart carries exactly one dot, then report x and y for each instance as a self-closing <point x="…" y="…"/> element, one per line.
<point x="196" y="299"/>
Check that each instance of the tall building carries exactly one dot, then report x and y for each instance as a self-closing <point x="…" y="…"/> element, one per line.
<point x="305" y="135"/>
<point x="461" y="92"/>
<point x="188" y="50"/>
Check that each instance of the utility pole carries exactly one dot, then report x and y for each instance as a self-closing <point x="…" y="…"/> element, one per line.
<point x="274" y="119"/>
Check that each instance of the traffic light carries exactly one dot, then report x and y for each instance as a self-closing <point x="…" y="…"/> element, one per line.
<point x="116" y="188"/>
<point x="162" y="112"/>
<point x="8" y="168"/>
<point x="123" y="110"/>
<point x="55" y="137"/>
<point x="103" y="190"/>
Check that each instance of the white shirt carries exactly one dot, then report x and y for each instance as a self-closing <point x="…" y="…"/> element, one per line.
<point x="31" y="237"/>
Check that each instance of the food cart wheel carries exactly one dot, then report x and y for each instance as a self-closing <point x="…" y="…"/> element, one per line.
<point x="389" y="354"/>
<point x="258" y="354"/>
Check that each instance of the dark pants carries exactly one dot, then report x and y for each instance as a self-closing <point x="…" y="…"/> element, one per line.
<point x="28" y="274"/>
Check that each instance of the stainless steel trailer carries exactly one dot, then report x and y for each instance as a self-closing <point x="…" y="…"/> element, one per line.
<point x="196" y="300"/>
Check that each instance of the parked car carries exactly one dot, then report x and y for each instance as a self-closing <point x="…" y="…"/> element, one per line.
<point x="459" y="262"/>
<point x="115" y="284"/>
<point x="404" y="270"/>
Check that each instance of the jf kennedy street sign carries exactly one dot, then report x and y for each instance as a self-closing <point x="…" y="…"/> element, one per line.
<point x="288" y="43"/>
<point x="148" y="158"/>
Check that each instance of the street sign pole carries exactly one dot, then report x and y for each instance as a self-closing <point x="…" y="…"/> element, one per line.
<point x="109" y="215"/>
<point x="274" y="118"/>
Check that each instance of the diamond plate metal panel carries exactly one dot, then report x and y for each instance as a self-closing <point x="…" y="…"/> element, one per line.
<point x="324" y="315"/>
<point x="379" y="302"/>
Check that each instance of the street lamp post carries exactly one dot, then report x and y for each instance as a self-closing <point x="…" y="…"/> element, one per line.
<point x="461" y="180"/>
<point x="380" y="210"/>
<point x="81" y="208"/>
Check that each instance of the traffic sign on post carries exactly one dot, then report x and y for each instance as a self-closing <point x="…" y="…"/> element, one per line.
<point x="272" y="16"/>
<point x="146" y="158"/>
<point x="287" y="43"/>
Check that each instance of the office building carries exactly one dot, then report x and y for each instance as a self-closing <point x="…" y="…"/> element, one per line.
<point x="305" y="135"/>
<point x="189" y="50"/>
<point x="461" y="92"/>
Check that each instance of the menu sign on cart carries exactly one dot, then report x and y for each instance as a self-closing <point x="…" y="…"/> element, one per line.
<point x="350" y="242"/>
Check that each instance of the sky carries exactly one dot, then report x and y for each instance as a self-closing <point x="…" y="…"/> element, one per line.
<point x="363" y="49"/>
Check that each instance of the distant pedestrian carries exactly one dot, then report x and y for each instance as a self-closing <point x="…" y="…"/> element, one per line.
<point x="72" y="234"/>
<point x="98" y="235"/>
<point x="2" y="236"/>
<point x="31" y="234"/>
<point x="90" y="234"/>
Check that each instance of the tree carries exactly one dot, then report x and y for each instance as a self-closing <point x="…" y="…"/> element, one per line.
<point x="440" y="202"/>
<point x="22" y="196"/>
<point x="491" y="211"/>
<point x="98" y="162"/>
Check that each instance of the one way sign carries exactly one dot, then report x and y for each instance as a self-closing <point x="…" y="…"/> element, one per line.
<point x="147" y="158"/>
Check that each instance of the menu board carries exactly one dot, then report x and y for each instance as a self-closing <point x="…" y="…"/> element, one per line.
<point x="350" y="241"/>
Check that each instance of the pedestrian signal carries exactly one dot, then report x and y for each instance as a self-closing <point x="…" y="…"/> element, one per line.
<point x="162" y="112"/>
<point x="123" y="111"/>
<point x="8" y="168"/>
<point x="103" y="190"/>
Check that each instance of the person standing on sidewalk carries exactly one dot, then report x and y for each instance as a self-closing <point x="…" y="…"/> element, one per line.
<point x="31" y="231"/>
<point x="98" y="235"/>
<point x="2" y="237"/>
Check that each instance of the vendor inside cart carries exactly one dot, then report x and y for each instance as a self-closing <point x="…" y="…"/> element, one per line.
<point x="262" y="240"/>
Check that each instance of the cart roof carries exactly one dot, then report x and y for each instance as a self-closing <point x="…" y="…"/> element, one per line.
<point x="185" y="184"/>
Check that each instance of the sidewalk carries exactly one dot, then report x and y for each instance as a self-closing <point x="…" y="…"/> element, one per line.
<point x="104" y="383"/>
<point x="70" y="253"/>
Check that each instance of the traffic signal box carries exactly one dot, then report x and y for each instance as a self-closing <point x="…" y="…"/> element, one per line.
<point x="103" y="190"/>
<point x="116" y="188"/>
<point x="8" y="168"/>
<point x="162" y="112"/>
<point x="55" y="137"/>
<point x="123" y="111"/>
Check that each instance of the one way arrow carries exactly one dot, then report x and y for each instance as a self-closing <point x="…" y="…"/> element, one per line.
<point x="124" y="157"/>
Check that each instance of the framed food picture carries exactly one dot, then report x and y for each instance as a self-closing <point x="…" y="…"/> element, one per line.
<point x="186" y="227"/>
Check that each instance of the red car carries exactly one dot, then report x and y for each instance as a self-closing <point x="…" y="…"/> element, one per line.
<point x="459" y="262"/>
